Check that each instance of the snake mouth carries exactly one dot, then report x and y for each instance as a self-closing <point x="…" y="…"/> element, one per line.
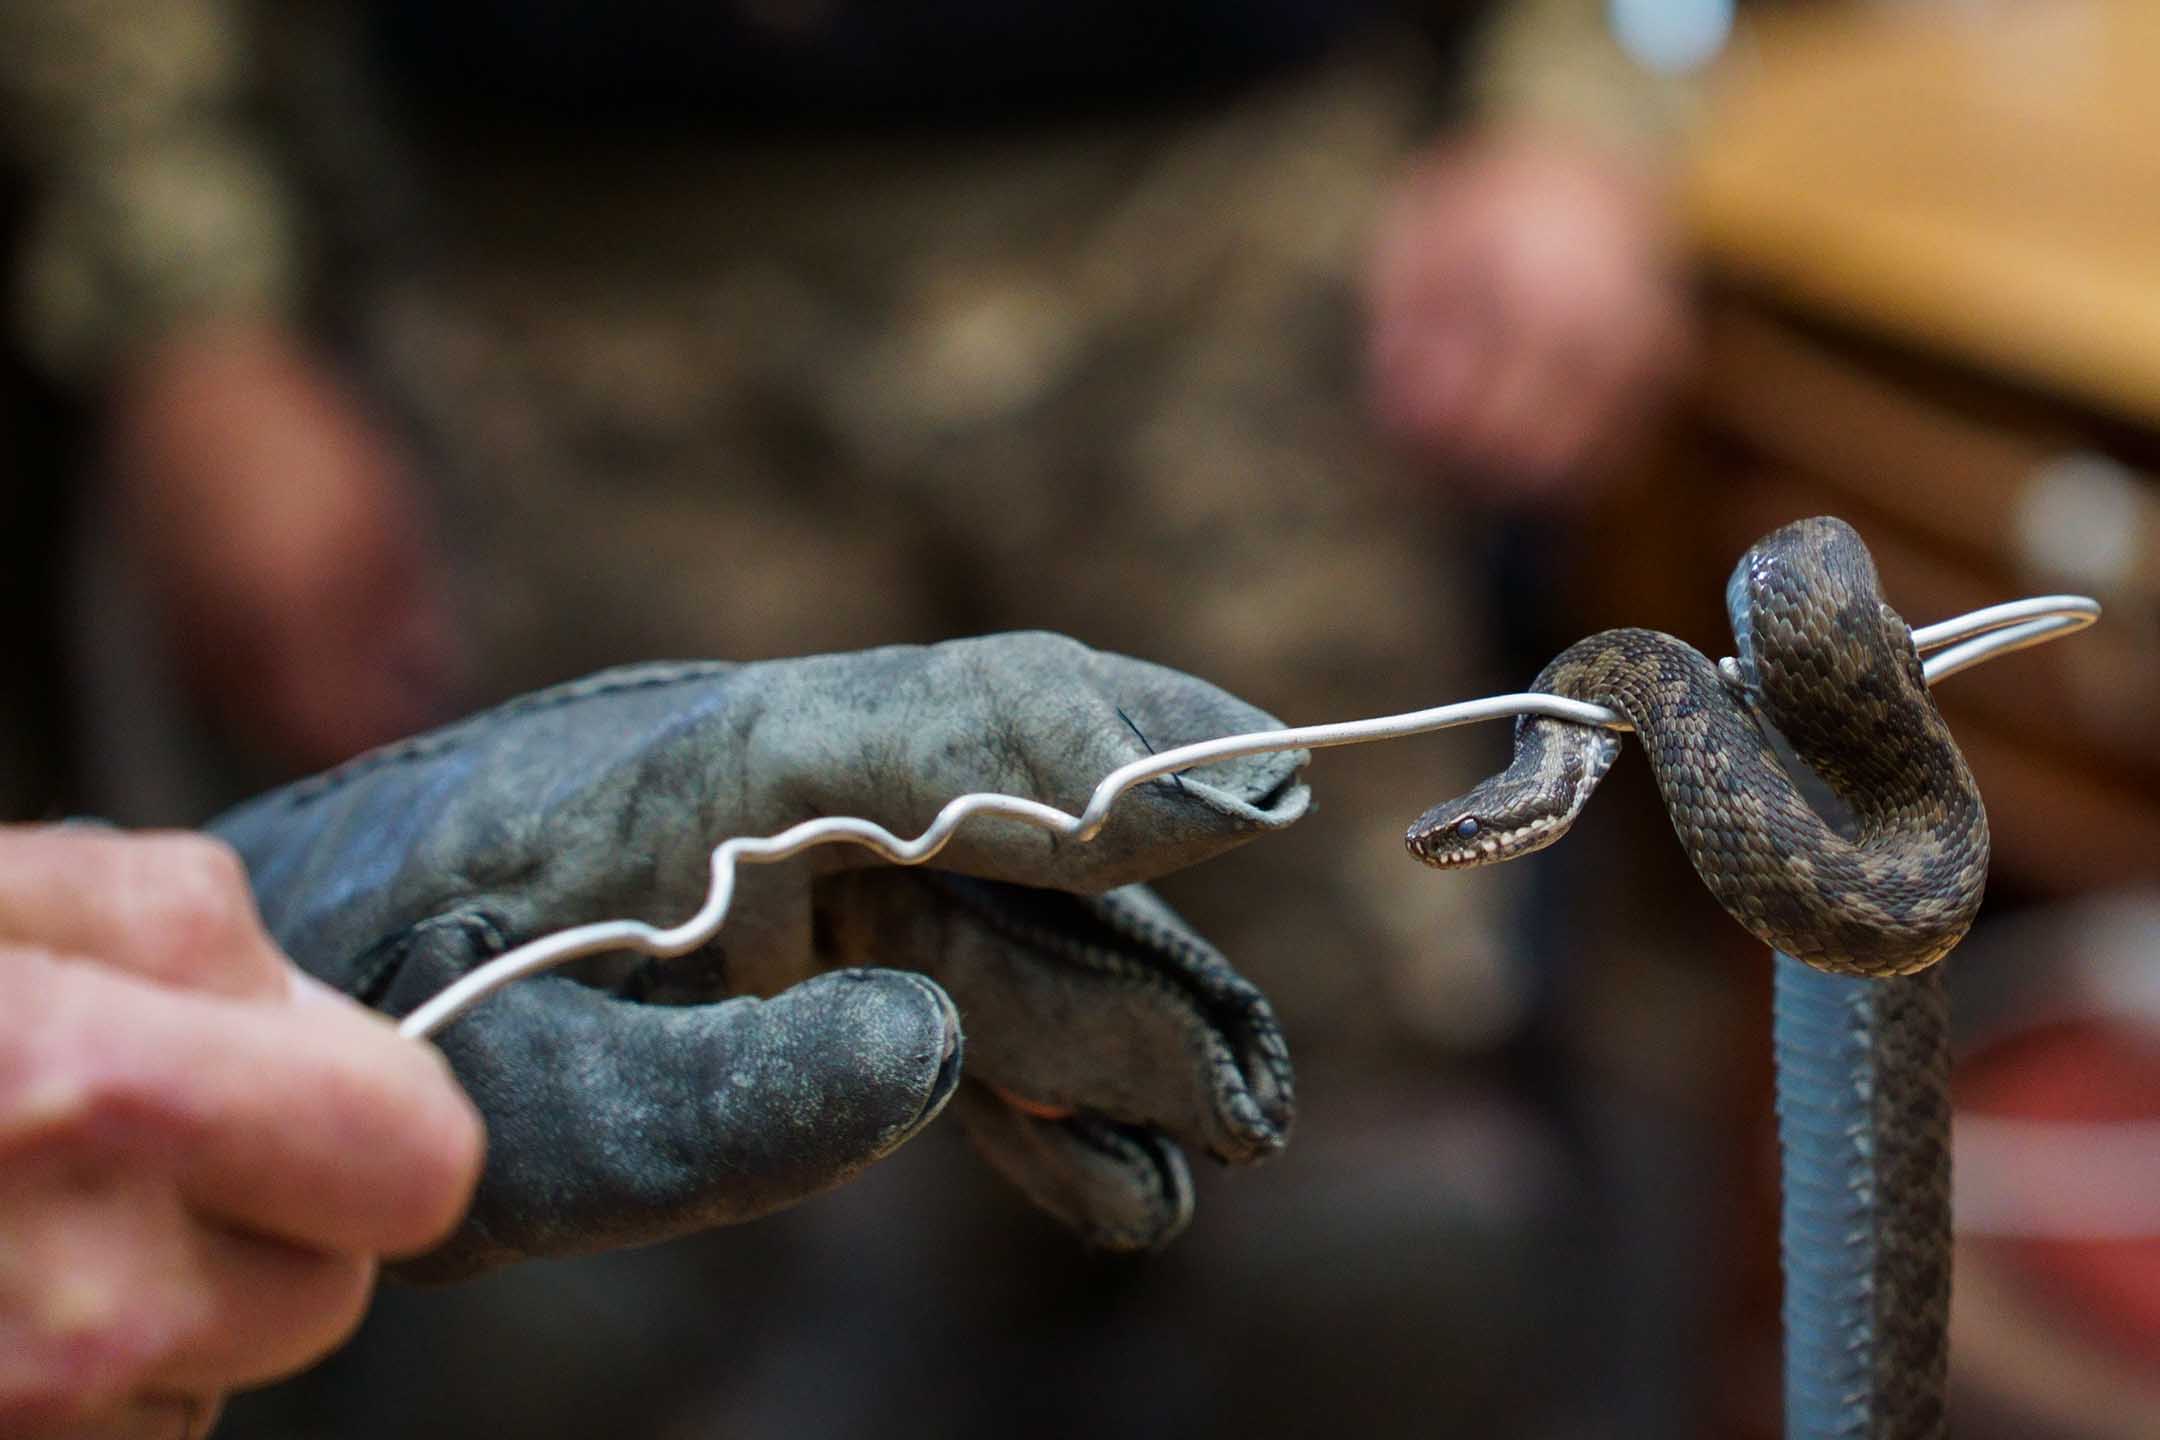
<point x="1432" y="843"/>
<point x="1526" y="807"/>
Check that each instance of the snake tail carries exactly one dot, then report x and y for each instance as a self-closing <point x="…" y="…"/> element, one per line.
<point x="1863" y="1102"/>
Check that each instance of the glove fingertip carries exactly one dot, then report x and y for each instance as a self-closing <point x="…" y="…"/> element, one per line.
<point x="904" y="1030"/>
<point x="1120" y="1188"/>
<point x="613" y="1123"/>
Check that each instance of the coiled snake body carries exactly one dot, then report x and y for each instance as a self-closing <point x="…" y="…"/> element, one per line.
<point x="1885" y="889"/>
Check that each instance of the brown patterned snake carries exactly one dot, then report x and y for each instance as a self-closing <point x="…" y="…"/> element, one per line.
<point x="1885" y="890"/>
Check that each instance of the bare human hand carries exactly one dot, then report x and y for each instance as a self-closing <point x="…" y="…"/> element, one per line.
<point x="1526" y="312"/>
<point x="276" y="525"/>
<point x="203" y="1153"/>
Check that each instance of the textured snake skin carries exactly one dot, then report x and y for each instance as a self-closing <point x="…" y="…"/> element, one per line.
<point x="1863" y="1099"/>
<point x="1888" y="890"/>
<point x="1883" y="888"/>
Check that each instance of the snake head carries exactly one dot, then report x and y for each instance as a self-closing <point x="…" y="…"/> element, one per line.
<point x="1525" y="807"/>
<point x="1475" y="830"/>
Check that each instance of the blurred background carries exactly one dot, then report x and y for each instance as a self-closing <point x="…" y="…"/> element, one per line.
<point x="368" y="362"/>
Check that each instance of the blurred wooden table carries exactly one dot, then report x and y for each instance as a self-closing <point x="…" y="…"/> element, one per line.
<point x="1979" y="178"/>
<point x="1930" y="240"/>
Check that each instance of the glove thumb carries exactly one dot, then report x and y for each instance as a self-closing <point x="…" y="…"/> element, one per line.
<point x="613" y="1123"/>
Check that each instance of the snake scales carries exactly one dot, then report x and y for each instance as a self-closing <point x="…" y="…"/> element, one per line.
<point x="1883" y="890"/>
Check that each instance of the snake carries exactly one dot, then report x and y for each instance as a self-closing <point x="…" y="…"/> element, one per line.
<point x="1821" y="798"/>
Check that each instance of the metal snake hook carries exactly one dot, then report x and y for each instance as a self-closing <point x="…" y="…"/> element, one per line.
<point x="1950" y="645"/>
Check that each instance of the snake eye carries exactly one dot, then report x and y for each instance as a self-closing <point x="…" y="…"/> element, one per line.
<point x="1466" y="827"/>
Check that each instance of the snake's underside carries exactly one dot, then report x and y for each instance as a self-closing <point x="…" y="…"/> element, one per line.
<point x="1884" y="889"/>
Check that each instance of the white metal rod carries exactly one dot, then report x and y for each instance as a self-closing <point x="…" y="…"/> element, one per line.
<point x="1959" y="644"/>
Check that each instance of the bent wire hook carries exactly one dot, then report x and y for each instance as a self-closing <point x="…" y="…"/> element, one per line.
<point x="1951" y="646"/>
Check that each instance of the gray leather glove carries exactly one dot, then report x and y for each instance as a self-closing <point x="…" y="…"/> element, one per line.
<point x="631" y="1101"/>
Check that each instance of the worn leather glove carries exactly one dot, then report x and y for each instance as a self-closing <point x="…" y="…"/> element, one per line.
<point x="640" y="1099"/>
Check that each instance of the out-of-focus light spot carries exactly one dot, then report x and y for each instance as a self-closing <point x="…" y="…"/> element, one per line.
<point x="2081" y="518"/>
<point x="1672" y="36"/>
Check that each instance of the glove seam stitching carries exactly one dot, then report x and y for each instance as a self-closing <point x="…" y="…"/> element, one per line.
<point x="440" y="742"/>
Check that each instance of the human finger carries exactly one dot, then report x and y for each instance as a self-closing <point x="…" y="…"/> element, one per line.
<point x="169" y="906"/>
<point x="266" y="1310"/>
<point x="151" y="1417"/>
<point x="114" y="1291"/>
<point x="315" y="1123"/>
